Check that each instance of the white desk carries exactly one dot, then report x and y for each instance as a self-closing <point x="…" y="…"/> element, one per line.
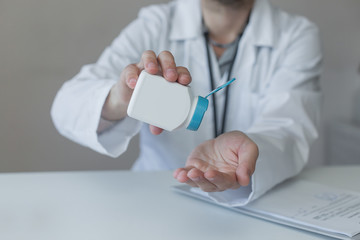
<point x="342" y="143"/>
<point x="125" y="205"/>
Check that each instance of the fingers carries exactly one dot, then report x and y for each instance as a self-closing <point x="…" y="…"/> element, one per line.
<point x="181" y="175"/>
<point x="149" y="62"/>
<point x="210" y="181"/>
<point x="168" y="66"/>
<point x="170" y="71"/>
<point x="195" y="178"/>
<point x="199" y="179"/>
<point x="166" y="63"/>
<point x="222" y="181"/>
<point x="155" y="130"/>
<point x="131" y="74"/>
<point x="184" y="76"/>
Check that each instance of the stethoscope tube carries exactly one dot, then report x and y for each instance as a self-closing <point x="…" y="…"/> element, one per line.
<point x="212" y="82"/>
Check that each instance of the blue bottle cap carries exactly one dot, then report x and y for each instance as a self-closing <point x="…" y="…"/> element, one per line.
<point x="201" y="107"/>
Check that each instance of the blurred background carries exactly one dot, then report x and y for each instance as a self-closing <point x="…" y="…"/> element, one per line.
<point x="44" y="43"/>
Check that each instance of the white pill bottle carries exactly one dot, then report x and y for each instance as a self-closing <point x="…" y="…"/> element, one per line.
<point x="164" y="104"/>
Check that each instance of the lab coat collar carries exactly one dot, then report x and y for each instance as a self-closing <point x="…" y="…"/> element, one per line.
<point x="262" y="26"/>
<point x="187" y="22"/>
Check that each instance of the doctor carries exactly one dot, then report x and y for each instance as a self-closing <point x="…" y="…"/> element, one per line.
<point x="266" y="120"/>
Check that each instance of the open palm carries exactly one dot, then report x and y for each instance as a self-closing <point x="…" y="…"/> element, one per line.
<point x="226" y="162"/>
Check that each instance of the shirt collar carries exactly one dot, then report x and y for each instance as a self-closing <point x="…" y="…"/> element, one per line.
<point x="187" y="22"/>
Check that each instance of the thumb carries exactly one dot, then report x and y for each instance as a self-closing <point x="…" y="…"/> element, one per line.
<point x="247" y="156"/>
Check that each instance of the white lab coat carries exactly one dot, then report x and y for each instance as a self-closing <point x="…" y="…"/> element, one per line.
<point x="275" y="100"/>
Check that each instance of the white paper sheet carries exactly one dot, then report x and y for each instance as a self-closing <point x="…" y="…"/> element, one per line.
<point x="306" y="205"/>
<point x="313" y="204"/>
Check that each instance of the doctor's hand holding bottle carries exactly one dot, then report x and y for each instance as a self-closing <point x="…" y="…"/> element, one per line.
<point x="118" y="99"/>
<point x="226" y="162"/>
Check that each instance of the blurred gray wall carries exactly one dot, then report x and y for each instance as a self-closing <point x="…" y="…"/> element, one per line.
<point x="44" y="43"/>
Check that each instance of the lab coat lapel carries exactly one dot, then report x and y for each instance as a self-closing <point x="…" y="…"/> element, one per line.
<point x="239" y="90"/>
<point x="186" y="28"/>
<point x="198" y="66"/>
<point x="259" y="35"/>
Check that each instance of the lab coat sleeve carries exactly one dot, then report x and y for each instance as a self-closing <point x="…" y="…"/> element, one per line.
<point x="76" y="111"/>
<point x="287" y="119"/>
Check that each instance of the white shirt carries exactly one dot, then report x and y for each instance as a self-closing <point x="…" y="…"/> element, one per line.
<point x="275" y="100"/>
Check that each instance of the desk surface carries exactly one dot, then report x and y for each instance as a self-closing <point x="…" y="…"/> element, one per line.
<point x="127" y="205"/>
